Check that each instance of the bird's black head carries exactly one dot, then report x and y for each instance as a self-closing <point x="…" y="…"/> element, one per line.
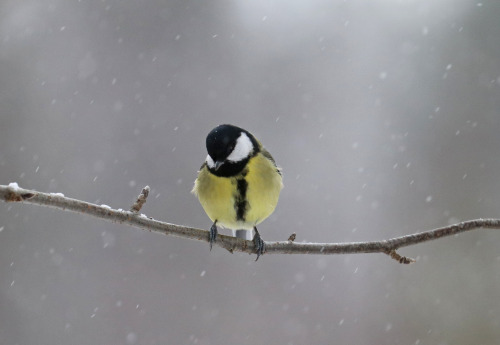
<point x="229" y="149"/>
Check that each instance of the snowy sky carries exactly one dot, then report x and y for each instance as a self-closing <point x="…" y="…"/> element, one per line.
<point x="384" y="116"/>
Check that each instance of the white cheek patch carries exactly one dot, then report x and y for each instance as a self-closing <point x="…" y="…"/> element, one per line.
<point x="210" y="162"/>
<point x="242" y="149"/>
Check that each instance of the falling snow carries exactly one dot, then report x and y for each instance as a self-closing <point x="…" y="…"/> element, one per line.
<point x="384" y="119"/>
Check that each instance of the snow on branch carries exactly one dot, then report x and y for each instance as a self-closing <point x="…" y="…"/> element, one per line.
<point x="13" y="193"/>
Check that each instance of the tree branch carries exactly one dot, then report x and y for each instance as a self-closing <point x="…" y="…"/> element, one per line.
<point x="13" y="193"/>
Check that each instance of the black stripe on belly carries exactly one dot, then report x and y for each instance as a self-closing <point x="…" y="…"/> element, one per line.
<point x="240" y="203"/>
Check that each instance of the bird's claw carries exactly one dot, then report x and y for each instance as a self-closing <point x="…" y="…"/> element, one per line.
<point x="213" y="234"/>
<point x="260" y="245"/>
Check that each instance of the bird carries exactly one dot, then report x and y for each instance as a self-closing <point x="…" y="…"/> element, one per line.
<point x="239" y="183"/>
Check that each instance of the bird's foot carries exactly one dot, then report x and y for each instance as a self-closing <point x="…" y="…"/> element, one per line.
<point x="213" y="234"/>
<point x="260" y="246"/>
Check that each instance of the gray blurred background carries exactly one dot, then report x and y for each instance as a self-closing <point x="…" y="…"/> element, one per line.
<point x="384" y="115"/>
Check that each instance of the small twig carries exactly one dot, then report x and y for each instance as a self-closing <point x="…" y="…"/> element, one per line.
<point x="399" y="258"/>
<point x="13" y="193"/>
<point x="141" y="200"/>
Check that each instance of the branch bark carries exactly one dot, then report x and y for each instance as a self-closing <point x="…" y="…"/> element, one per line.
<point x="12" y="193"/>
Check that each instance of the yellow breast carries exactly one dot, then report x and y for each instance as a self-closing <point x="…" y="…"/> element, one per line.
<point x="221" y="197"/>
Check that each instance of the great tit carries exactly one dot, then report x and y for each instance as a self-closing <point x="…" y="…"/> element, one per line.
<point x="239" y="183"/>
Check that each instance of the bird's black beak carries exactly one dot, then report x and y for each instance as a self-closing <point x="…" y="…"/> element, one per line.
<point x="218" y="164"/>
